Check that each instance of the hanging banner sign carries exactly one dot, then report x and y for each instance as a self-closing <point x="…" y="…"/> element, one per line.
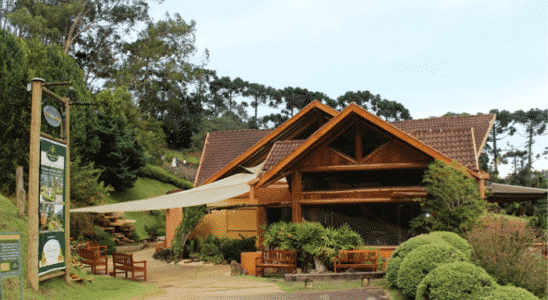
<point x="10" y="258"/>
<point x="52" y="115"/>
<point x="51" y="237"/>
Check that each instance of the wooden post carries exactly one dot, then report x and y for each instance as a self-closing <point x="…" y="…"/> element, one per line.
<point x="482" y="188"/>
<point x="20" y="191"/>
<point x="66" y="135"/>
<point x="34" y="165"/>
<point x="261" y="216"/>
<point x="296" y="196"/>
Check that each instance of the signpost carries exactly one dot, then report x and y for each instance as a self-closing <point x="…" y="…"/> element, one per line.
<point x="49" y="189"/>
<point x="10" y="258"/>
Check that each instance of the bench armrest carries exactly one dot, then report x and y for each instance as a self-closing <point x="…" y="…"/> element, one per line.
<point x="141" y="262"/>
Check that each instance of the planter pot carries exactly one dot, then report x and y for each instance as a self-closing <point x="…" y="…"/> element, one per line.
<point x="249" y="261"/>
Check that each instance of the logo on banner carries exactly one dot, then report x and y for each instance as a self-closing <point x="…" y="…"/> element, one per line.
<point x="52" y="155"/>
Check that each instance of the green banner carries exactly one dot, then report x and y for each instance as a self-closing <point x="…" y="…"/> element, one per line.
<point x="10" y="258"/>
<point x="51" y="238"/>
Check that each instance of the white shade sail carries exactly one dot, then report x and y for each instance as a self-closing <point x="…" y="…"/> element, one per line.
<point x="223" y="189"/>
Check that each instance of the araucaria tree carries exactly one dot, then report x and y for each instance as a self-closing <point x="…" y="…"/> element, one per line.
<point x="453" y="199"/>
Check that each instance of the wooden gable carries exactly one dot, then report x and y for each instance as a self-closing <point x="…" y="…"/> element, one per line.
<point x="397" y="151"/>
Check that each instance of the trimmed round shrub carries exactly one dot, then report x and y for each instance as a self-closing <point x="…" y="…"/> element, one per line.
<point x="454" y="240"/>
<point x="399" y="254"/>
<point x="422" y="261"/>
<point x="510" y="293"/>
<point x="458" y="280"/>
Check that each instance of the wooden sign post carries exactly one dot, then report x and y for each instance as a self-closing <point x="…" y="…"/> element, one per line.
<point x="55" y="238"/>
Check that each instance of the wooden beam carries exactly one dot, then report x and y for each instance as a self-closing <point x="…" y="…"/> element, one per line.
<point x="52" y="95"/>
<point x="352" y="160"/>
<point x="359" y="145"/>
<point x="302" y="127"/>
<point x="58" y="140"/>
<point x="365" y="167"/>
<point x="352" y="201"/>
<point x="296" y="197"/>
<point x="380" y="148"/>
<point x="68" y="254"/>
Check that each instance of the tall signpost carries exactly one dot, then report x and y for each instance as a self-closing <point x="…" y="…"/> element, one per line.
<point x="49" y="190"/>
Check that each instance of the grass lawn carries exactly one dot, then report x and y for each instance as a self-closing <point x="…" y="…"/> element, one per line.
<point x="193" y="159"/>
<point x="144" y="188"/>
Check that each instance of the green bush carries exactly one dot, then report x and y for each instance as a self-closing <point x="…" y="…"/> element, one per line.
<point x="401" y="252"/>
<point x="501" y="249"/>
<point x="158" y="173"/>
<point x="456" y="281"/>
<point x="210" y="249"/>
<point x="454" y="240"/>
<point x="232" y="248"/>
<point x="139" y="233"/>
<point x="510" y="293"/>
<point x="423" y="260"/>
<point x="104" y="238"/>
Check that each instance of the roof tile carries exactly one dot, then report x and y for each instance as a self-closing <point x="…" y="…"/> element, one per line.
<point x="279" y="151"/>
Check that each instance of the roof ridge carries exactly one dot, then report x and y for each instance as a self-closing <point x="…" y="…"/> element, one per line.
<point x="442" y="117"/>
<point x="234" y="130"/>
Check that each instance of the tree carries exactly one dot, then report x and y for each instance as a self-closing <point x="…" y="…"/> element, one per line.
<point x="504" y="124"/>
<point x="192" y="215"/>
<point x="535" y="121"/>
<point x="389" y="110"/>
<point x="453" y="200"/>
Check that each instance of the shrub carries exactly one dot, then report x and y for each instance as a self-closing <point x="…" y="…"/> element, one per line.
<point x="510" y="293"/>
<point x="399" y="254"/>
<point x="139" y="233"/>
<point x="455" y="240"/>
<point x="454" y="199"/>
<point x="501" y="248"/>
<point x="210" y="249"/>
<point x="232" y="248"/>
<point x="104" y="238"/>
<point x="423" y="260"/>
<point x="162" y="175"/>
<point x="457" y="280"/>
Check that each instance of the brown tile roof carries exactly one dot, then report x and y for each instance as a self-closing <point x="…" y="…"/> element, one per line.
<point x="480" y="123"/>
<point x="456" y="144"/>
<point x="224" y="146"/>
<point x="280" y="150"/>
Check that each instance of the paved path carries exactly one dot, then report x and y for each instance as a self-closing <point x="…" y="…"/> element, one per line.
<point x="196" y="280"/>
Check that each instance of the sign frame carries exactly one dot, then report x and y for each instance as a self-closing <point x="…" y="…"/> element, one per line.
<point x="8" y="248"/>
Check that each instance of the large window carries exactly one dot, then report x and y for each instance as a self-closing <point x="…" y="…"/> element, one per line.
<point x="334" y="181"/>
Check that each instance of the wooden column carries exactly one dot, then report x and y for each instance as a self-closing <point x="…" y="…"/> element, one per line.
<point x="296" y="197"/>
<point x="20" y="191"/>
<point x="34" y="165"/>
<point x="261" y="216"/>
<point x="66" y="135"/>
<point x="482" y="188"/>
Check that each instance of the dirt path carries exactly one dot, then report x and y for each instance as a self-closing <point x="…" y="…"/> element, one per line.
<point x="197" y="280"/>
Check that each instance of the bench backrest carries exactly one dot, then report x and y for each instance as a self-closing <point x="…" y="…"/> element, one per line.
<point x="122" y="258"/>
<point x="89" y="254"/>
<point x="280" y="256"/>
<point x="358" y="256"/>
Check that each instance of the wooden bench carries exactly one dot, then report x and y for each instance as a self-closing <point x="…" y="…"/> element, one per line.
<point x="356" y="259"/>
<point x="277" y="259"/>
<point x="125" y="263"/>
<point x="93" y="258"/>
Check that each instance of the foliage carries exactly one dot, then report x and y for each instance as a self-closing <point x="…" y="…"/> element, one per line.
<point x="454" y="240"/>
<point x="455" y="281"/>
<point x="501" y="248"/>
<point x="85" y="190"/>
<point x="191" y="217"/>
<point x="210" y="249"/>
<point x="390" y="110"/>
<point x="160" y="174"/>
<point x="138" y="234"/>
<point x="103" y="238"/>
<point x="15" y="105"/>
<point x="233" y="248"/>
<point x="510" y="293"/>
<point x="422" y="261"/>
<point x="454" y="199"/>
<point x="402" y="251"/>
<point x="311" y="240"/>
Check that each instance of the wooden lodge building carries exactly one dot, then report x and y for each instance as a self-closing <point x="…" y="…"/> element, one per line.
<point x="339" y="167"/>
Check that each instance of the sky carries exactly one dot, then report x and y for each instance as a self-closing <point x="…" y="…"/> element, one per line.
<point x="431" y="56"/>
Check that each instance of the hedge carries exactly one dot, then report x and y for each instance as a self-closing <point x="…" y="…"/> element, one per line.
<point x="510" y="293"/>
<point x="158" y="173"/>
<point x="455" y="240"/>
<point x="422" y="261"/>
<point x="456" y="281"/>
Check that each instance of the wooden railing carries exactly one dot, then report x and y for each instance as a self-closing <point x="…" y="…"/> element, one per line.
<point x="372" y="194"/>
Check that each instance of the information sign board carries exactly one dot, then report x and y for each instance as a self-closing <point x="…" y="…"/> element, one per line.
<point x="10" y="258"/>
<point x="51" y="238"/>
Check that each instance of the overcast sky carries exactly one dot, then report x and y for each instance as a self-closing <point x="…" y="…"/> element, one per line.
<point x="431" y="56"/>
